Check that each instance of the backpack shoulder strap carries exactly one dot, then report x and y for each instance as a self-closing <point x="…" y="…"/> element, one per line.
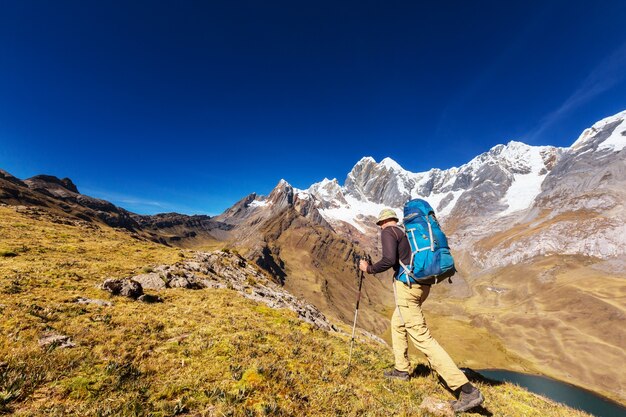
<point x="394" y="230"/>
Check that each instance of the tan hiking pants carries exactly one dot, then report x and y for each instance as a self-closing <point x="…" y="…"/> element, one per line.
<point x="408" y="322"/>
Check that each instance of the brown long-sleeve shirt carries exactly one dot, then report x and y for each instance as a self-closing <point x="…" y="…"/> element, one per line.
<point x="396" y="248"/>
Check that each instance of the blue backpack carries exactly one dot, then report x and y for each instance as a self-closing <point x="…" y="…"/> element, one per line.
<point x="431" y="261"/>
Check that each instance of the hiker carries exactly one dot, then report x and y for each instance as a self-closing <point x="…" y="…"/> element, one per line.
<point x="408" y="320"/>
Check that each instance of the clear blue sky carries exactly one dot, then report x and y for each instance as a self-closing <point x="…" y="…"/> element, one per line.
<point x="189" y="106"/>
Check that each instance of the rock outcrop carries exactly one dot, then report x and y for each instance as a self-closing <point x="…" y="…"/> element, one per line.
<point x="219" y="269"/>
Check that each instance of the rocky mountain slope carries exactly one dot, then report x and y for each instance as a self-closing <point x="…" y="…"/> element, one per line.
<point x="286" y="235"/>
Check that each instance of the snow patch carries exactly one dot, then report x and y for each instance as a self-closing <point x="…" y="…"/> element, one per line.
<point x="435" y="199"/>
<point x="599" y="126"/>
<point x="259" y="203"/>
<point x="355" y="209"/>
<point x="496" y="290"/>
<point x="525" y="187"/>
<point x="617" y="141"/>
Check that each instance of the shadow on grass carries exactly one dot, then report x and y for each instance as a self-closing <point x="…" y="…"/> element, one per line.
<point x="474" y="376"/>
<point x="480" y="410"/>
<point x="422" y="371"/>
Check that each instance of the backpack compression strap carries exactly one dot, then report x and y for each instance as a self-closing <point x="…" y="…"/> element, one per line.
<point x="408" y="270"/>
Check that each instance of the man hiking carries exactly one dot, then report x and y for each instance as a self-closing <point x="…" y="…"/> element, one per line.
<point x="408" y="320"/>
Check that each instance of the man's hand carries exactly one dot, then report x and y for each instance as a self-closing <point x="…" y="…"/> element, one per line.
<point x="363" y="265"/>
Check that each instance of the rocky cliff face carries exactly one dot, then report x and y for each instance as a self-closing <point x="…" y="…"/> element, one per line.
<point x="591" y="174"/>
<point x="65" y="190"/>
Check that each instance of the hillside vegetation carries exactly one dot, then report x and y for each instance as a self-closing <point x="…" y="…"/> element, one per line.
<point x="206" y="352"/>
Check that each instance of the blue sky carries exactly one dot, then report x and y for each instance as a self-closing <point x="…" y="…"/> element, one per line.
<point x="189" y="106"/>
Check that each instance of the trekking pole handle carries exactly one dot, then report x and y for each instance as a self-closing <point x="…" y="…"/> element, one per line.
<point x="358" y="297"/>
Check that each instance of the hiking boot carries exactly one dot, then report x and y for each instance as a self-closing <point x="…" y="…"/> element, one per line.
<point x="395" y="374"/>
<point x="468" y="401"/>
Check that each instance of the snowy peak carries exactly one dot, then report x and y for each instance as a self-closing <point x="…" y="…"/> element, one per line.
<point x="515" y="157"/>
<point x="391" y="164"/>
<point x="282" y="195"/>
<point x="365" y="160"/>
<point x="609" y="134"/>
<point x="382" y="183"/>
<point x="328" y="192"/>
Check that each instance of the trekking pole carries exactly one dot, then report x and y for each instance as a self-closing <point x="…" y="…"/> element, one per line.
<point x="356" y="311"/>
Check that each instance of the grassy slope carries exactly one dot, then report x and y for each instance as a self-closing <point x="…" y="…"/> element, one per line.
<point x="207" y="352"/>
<point x="559" y="314"/>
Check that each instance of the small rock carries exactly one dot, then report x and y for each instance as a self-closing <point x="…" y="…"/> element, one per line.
<point x="149" y="298"/>
<point x="151" y="281"/>
<point x="193" y="266"/>
<point x="82" y="300"/>
<point x="205" y="283"/>
<point x="124" y="287"/>
<point x="189" y="282"/>
<point x="56" y="341"/>
<point x="437" y="407"/>
<point x="179" y="282"/>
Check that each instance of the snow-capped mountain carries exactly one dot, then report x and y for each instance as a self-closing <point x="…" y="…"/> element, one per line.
<point x="581" y="207"/>
<point x="504" y="186"/>
<point x="504" y="180"/>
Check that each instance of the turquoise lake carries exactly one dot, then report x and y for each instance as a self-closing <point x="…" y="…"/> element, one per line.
<point x="559" y="391"/>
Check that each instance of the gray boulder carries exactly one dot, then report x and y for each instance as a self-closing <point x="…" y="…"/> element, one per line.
<point x="150" y="281"/>
<point x="124" y="287"/>
<point x="190" y="283"/>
